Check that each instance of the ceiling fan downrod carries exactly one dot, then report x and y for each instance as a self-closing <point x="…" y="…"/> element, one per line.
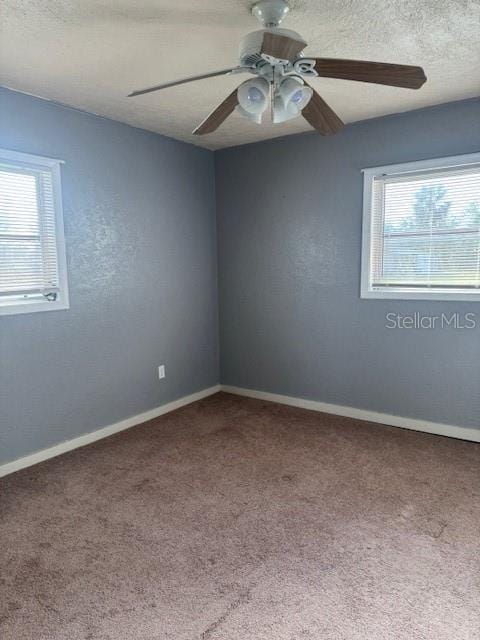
<point x="270" y="13"/>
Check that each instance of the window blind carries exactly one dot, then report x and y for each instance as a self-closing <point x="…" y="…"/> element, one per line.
<point x="425" y="230"/>
<point x="28" y="248"/>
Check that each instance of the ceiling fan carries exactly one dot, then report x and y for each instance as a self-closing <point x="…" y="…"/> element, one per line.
<point x="274" y="55"/>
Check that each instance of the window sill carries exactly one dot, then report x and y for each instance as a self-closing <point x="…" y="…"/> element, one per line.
<point x="32" y="306"/>
<point x="452" y="296"/>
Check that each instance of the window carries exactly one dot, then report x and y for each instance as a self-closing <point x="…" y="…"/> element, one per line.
<point x="421" y="230"/>
<point x="32" y="254"/>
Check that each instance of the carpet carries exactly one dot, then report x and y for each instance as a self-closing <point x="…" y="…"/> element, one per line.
<point x="238" y="519"/>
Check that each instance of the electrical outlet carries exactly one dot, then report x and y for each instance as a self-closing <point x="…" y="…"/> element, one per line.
<point x="161" y="371"/>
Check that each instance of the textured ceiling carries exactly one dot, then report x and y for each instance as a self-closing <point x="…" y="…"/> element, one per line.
<point x="91" y="53"/>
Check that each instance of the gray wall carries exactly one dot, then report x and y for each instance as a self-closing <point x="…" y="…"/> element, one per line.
<point x="292" y="322"/>
<point x="141" y="251"/>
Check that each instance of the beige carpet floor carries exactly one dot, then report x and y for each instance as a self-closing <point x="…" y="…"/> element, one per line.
<point x="236" y="519"/>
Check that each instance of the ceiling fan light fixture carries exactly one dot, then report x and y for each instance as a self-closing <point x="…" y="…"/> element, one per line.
<point x="291" y="97"/>
<point x="253" y="98"/>
<point x="253" y="117"/>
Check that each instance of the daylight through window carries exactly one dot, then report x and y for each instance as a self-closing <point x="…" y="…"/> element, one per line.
<point x="422" y="231"/>
<point x="32" y="258"/>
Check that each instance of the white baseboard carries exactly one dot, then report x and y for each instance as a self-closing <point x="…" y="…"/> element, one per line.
<point x="93" y="436"/>
<point x="437" y="428"/>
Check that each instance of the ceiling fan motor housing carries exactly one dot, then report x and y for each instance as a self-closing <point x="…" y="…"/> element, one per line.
<point x="251" y="45"/>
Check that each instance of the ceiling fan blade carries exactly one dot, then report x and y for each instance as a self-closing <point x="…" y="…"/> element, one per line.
<point x="281" y="47"/>
<point x="212" y="74"/>
<point x="219" y="115"/>
<point x="394" y="75"/>
<point x="321" y="116"/>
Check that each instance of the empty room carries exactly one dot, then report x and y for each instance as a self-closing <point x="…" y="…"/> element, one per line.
<point x="239" y="320"/>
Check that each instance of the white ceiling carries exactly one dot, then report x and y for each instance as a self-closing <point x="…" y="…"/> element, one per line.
<point x="91" y="53"/>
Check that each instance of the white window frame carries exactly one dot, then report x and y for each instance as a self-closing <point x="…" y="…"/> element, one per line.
<point x="369" y="174"/>
<point x="30" y="303"/>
